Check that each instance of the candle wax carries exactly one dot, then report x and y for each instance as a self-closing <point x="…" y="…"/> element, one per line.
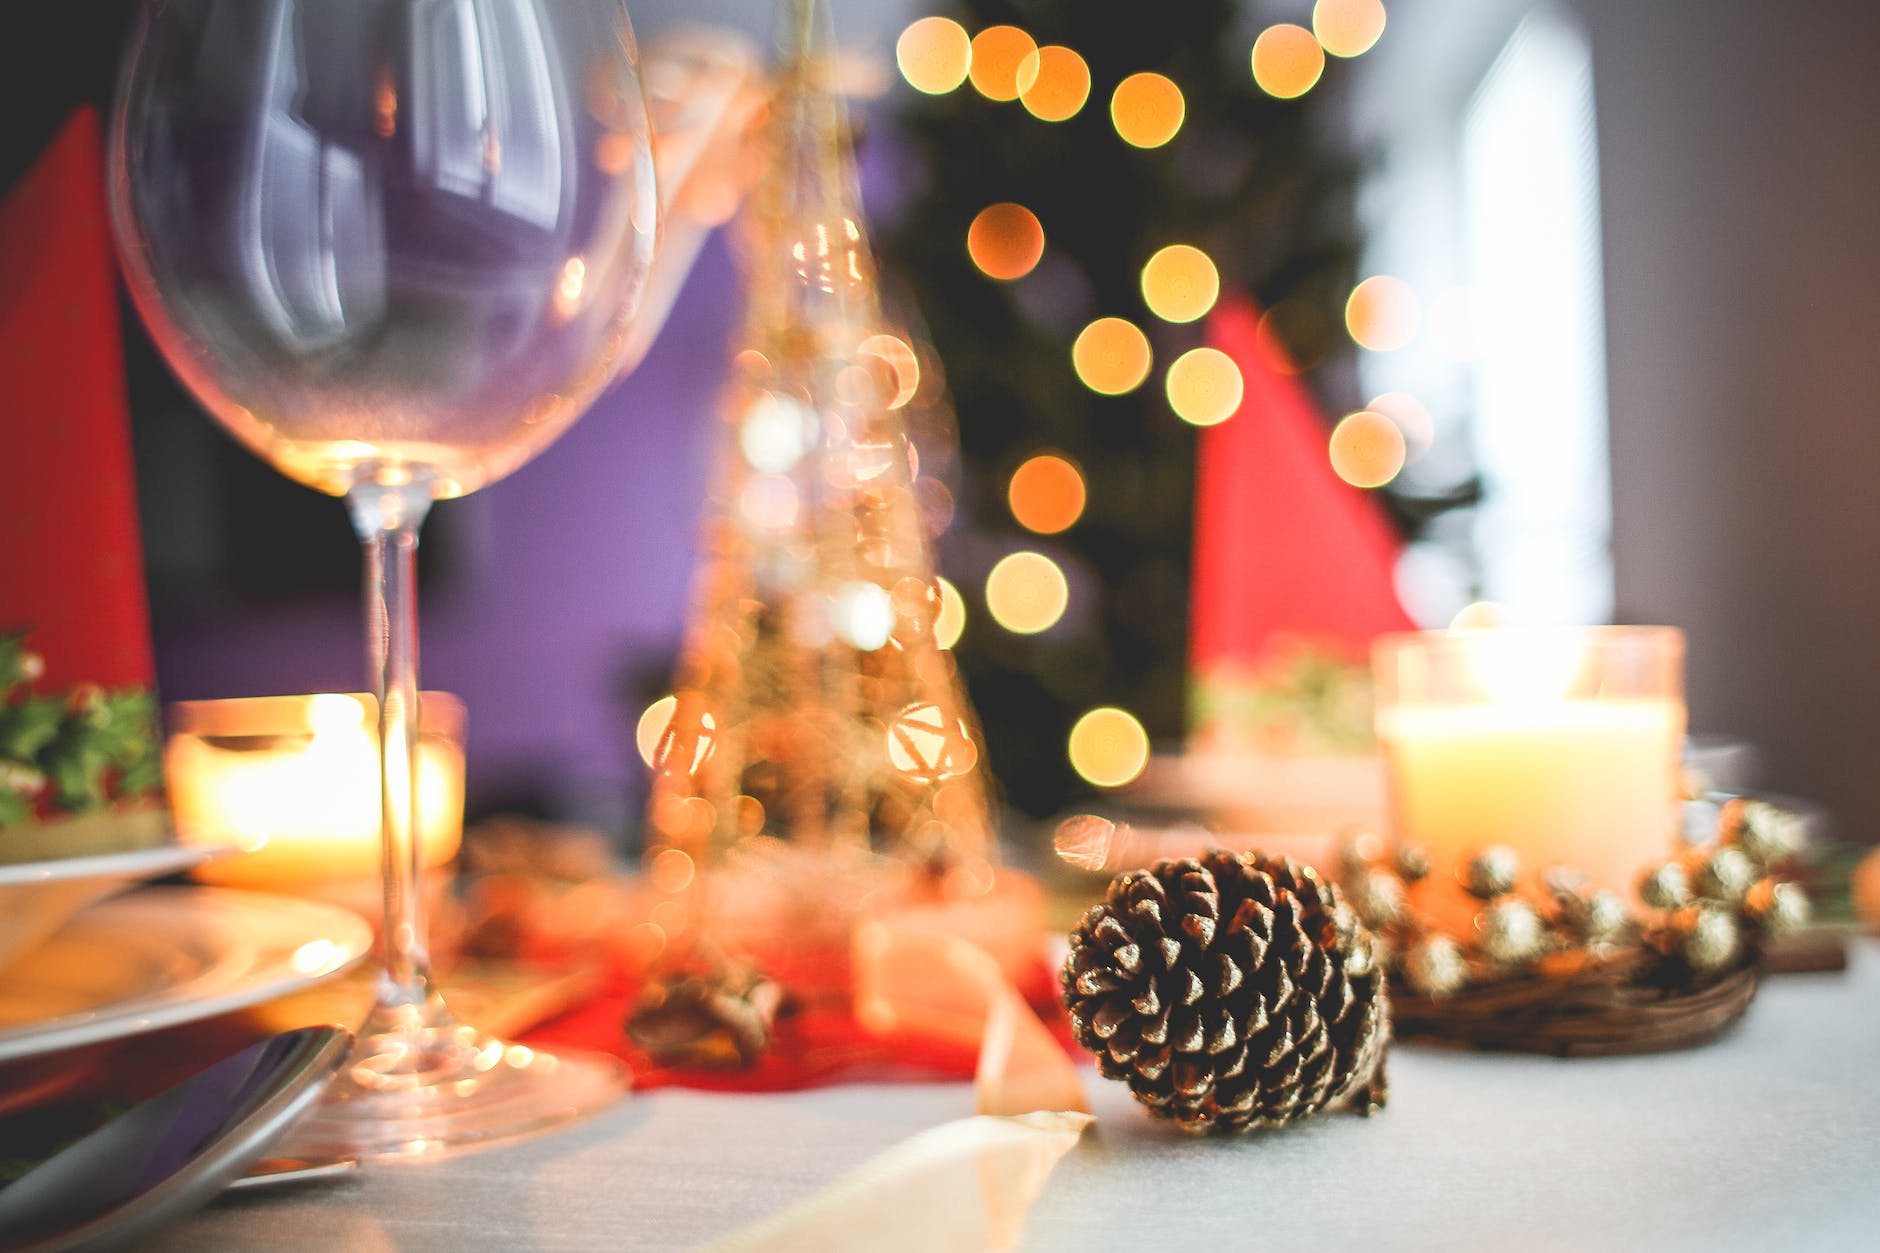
<point x="1591" y="784"/>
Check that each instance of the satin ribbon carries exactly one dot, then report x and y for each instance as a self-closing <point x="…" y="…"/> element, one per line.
<point x="964" y="1185"/>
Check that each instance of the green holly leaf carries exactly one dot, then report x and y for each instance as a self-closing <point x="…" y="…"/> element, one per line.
<point x="30" y="725"/>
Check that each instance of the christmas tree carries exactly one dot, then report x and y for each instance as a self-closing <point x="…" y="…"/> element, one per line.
<point x="1135" y="145"/>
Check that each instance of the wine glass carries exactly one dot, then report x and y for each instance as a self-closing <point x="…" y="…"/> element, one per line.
<point x="395" y="247"/>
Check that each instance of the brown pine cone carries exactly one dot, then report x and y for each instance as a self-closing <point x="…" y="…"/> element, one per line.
<point x="1230" y="993"/>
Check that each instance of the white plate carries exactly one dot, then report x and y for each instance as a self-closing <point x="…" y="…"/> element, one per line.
<point x="169" y="955"/>
<point x="36" y="897"/>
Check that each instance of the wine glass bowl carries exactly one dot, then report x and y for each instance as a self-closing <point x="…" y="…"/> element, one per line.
<point x="388" y="235"/>
<point x="395" y="247"/>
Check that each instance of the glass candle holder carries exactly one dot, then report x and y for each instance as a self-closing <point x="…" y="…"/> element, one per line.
<point x="1562" y="744"/>
<point x="295" y="780"/>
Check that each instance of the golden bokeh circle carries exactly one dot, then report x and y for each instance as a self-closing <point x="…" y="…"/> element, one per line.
<point x="1367" y="449"/>
<point x="1046" y="494"/>
<point x="1005" y="241"/>
<point x="1005" y="62"/>
<point x="652" y="725"/>
<point x="1111" y="356"/>
<point x="1147" y="109"/>
<point x="1348" y="28"/>
<point x="1061" y="87"/>
<point x="1287" y="61"/>
<point x="1180" y="283"/>
<point x="1382" y="313"/>
<point x="901" y="361"/>
<point x="1108" y="746"/>
<point x="1026" y="593"/>
<point x="1205" y="387"/>
<point x="951" y="621"/>
<point x="934" y="54"/>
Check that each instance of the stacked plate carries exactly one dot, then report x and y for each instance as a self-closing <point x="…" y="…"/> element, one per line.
<point x="80" y="963"/>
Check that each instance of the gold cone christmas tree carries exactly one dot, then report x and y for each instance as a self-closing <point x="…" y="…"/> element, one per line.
<point x="818" y="718"/>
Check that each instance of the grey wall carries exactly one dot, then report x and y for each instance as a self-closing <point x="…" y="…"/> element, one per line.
<point x="1741" y="185"/>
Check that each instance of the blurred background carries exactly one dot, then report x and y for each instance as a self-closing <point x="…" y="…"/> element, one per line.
<point x="1631" y="289"/>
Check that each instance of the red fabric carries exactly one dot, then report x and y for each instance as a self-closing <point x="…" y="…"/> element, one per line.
<point x="820" y="1043"/>
<point x="71" y="566"/>
<point x="1284" y="549"/>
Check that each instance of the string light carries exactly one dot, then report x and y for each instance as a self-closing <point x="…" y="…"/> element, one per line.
<point x="1204" y="386"/>
<point x="1111" y="356"/>
<point x="934" y="54"/>
<point x="1004" y="62"/>
<point x="1147" y="109"/>
<point x="1062" y="85"/>
<point x="1047" y="494"/>
<point x="1367" y="449"/>
<point x="1005" y="241"/>
<point x="1287" y="61"/>
<point x="1382" y="313"/>
<point x="1108" y="747"/>
<point x="1026" y="593"/>
<point x="1348" y="28"/>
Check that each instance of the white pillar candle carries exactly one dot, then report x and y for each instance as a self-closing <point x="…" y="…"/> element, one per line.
<point x="1563" y="745"/>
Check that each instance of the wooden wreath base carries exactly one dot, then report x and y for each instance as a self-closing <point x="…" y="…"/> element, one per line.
<point x="1592" y="1012"/>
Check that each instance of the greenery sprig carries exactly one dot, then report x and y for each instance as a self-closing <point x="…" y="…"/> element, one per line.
<point x="71" y="752"/>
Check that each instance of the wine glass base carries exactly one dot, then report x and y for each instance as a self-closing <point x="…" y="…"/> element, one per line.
<point x="444" y="1087"/>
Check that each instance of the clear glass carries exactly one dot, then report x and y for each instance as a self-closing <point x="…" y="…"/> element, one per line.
<point x="395" y="247"/>
<point x="1561" y="743"/>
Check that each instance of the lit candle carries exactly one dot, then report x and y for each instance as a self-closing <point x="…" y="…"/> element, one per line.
<point x="1562" y="745"/>
<point x="295" y="779"/>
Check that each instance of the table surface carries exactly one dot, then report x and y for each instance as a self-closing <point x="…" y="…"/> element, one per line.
<point x="1769" y="1137"/>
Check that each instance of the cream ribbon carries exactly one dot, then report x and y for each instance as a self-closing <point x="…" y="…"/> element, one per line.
<point x="962" y="1186"/>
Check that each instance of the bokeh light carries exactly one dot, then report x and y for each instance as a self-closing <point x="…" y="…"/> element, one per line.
<point x="863" y="614"/>
<point x="1005" y="241"/>
<point x="651" y="734"/>
<point x="1062" y="85"/>
<point x="934" y="54"/>
<point x="901" y="360"/>
<point x="1147" y="109"/>
<point x="671" y="870"/>
<point x="1412" y="417"/>
<point x="1204" y="386"/>
<point x="950" y="623"/>
<point x="1367" y="449"/>
<point x="1004" y="63"/>
<point x="1180" y="283"/>
<point x="1382" y="313"/>
<point x="1108" y="747"/>
<point x="775" y="433"/>
<point x="1046" y="494"/>
<point x="1348" y="28"/>
<point x="1287" y="61"/>
<point x="1026" y="593"/>
<point x="1111" y="356"/>
<point x="652" y="725"/>
<point x="928" y="743"/>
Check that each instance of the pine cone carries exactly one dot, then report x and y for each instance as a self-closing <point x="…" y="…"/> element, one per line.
<point x="1230" y="992"/>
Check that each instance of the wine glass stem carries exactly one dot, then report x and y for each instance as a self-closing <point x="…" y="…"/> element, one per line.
<point x="387" y="518"/>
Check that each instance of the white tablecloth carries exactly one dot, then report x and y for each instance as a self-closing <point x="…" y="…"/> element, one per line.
<point x="1767" y="1139"/>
